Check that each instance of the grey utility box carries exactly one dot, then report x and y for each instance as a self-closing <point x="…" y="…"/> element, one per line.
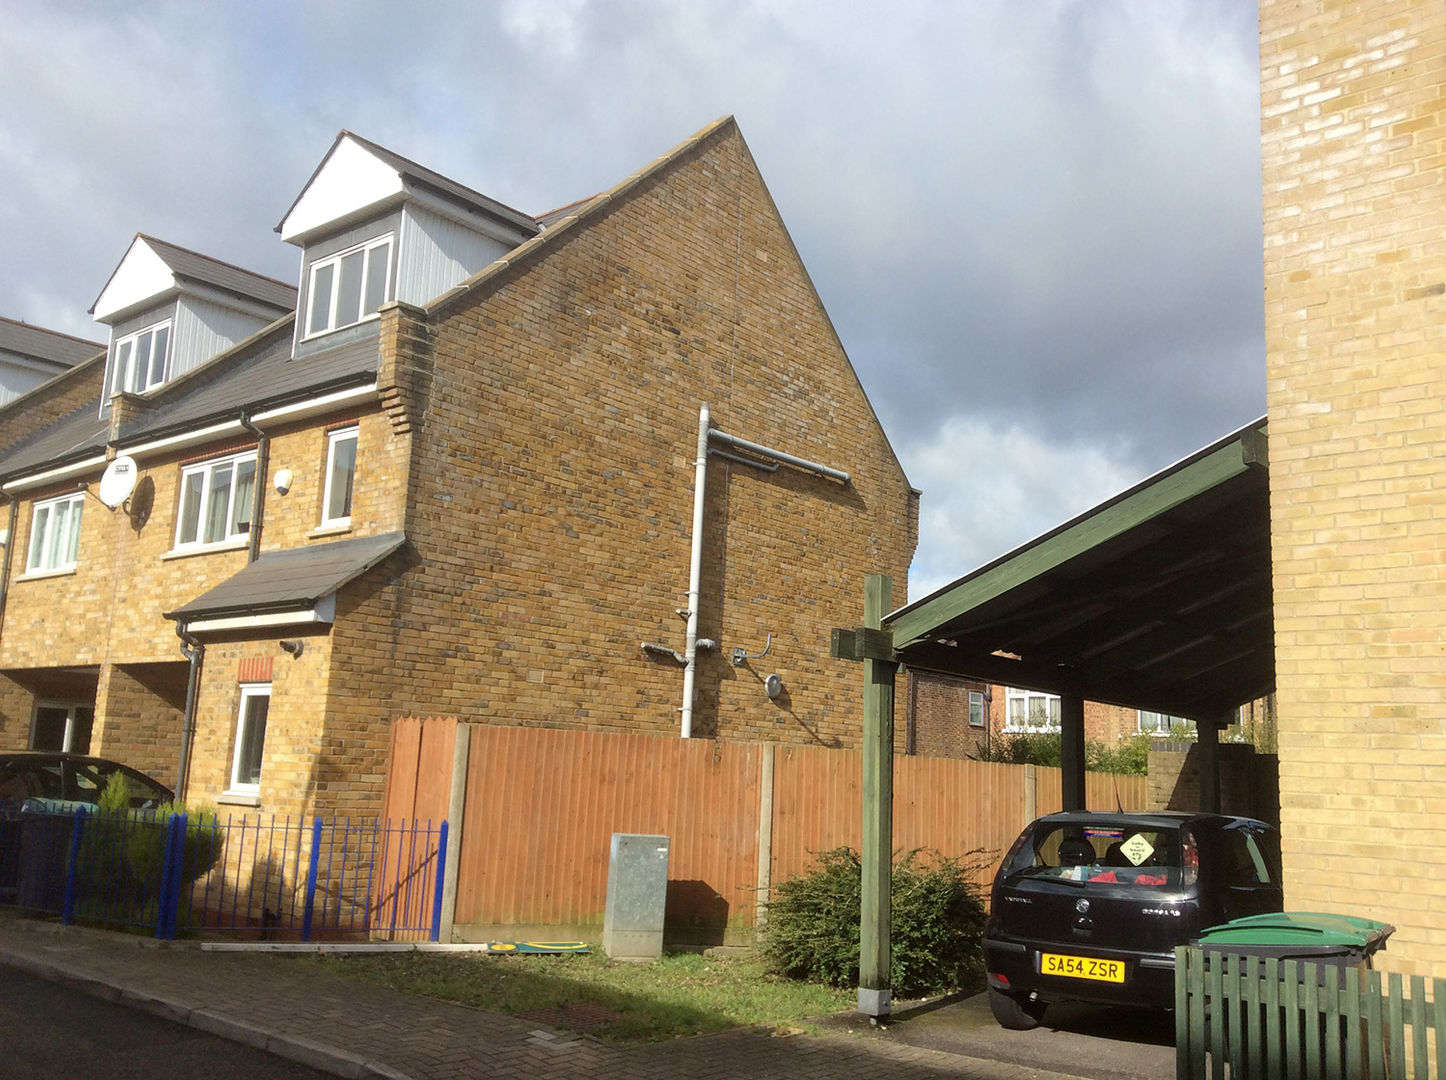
<point x="637" y="892"/>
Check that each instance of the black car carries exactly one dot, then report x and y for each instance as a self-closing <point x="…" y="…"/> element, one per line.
<point x="42" y="774"/>
<point x="1089" y="906"/>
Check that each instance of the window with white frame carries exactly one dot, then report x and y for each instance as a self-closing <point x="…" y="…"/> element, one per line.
<point x="58" y="726"/>
<point x="139" y="361"/>
<point x="976" y="709"/>
<point x="1029" y="710"/>
<point x="1156" y="723"/>
<point x="54" y="534"/>
<point x="348" y="287"/>
<point x="216" y="500"/>
<point x="250" y="739"/>
<point x="340" y="472"/>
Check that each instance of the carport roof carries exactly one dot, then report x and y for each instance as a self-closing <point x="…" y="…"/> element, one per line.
<point x="1159" y="598"/>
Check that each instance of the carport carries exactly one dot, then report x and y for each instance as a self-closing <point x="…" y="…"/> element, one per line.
<point x="1159" y="599"/>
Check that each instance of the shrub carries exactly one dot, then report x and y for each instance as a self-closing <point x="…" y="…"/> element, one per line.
<point x="1043" y="748"/>
<point x="935" y="929"/>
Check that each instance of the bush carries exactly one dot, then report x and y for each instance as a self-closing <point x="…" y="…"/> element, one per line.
<point x="935" y="930"/>
<point x="1043" y="748"/>
<point x="123" y="850"/>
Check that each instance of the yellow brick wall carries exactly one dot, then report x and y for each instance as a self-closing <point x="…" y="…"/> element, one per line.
<point x="1353" y="148"/>
<point x="555" y="413"/>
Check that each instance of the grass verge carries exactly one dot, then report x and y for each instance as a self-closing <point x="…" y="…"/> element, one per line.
<point x="681" y="994"/>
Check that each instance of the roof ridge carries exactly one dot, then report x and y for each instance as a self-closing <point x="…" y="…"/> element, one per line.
<point x="53" y="333"/>
<point x="148" y="238"/>
<point x="587" y="209"/>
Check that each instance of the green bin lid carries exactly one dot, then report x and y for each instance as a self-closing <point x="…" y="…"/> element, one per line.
<point x="1298" y="928"/>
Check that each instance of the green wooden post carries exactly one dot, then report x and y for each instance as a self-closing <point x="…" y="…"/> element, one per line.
<point x="1072" y="752"/>
<point x="878" y="810"/>
<point x="1207" y="746"/>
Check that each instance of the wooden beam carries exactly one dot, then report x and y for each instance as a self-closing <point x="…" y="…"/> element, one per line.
<point x="1133" y="508"/>
<point x="1072" y="751"/>
<point x="875" y="992"/>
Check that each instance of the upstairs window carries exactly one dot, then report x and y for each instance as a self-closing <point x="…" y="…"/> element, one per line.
<point x="348" y="287"/>
<point x="340" y="471"/>
<point x="139" y="362"/>
<point x="1157" y="723"/>
<point x="54" y="534"/>
<point x="216" y="500"/>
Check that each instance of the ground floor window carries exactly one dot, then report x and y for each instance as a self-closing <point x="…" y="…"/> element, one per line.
<point x="1029" y="710"/>
<point x="250" y="738"/>
<point x="1156" y="723"/>
<point x="59" y="726"/>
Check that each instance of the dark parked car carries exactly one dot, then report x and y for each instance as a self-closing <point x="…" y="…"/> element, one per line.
<point x="1089" y="906"/>
<point x="57" y="777"/>
<point x="41" y="774"/>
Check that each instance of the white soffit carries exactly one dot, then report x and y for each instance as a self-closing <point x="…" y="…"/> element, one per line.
<point x="141" y="275"/>
<point x="351" y="179"/>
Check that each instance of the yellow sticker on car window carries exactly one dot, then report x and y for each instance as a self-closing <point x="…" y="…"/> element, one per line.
<point x="1137" y="849"/>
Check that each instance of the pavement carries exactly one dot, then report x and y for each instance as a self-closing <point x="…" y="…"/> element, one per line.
<point x="354" y="1029"/>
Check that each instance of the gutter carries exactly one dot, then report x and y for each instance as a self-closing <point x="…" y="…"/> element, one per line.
<point x="195" y="652"/>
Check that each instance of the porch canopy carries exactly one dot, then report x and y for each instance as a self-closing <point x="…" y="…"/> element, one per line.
<point x="1159" y="598"/>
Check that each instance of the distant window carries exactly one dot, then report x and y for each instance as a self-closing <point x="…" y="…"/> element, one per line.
<point x="62" y="727"/>
<point x="216" y="500"/>
<point x="1155" y="723"/>
<point x="139" y="361"/>
<point x="976" y="709"/>
<point x="250" y="738"/>
<point x="340" y="471"/>
<point x="54" y="534"/>
<point x="348" y="287"/>
<point x="1028" y="710"/>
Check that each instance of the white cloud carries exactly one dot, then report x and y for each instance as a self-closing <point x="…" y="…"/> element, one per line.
<point x="990" y="487"/>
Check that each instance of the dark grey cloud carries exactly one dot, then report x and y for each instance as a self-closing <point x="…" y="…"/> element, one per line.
<point x="1036" y="226"/>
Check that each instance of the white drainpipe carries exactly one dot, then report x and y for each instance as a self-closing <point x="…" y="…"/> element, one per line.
<point x="695" y="575"/>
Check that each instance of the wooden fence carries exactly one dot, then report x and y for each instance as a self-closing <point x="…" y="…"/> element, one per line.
<point x="541" y="806"/>
<point x="1266" y="1017"/>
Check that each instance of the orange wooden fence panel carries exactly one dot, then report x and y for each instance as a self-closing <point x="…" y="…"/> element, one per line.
<point x="542" y="805"/>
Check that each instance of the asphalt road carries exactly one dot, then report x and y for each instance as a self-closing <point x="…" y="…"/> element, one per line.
<point x="51" y="1032"/>
<point x="1079" y="1040"/>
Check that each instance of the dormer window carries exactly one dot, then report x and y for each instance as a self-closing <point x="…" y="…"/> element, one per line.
<point x="139" y="361"/>
<point x="349" y="286"/>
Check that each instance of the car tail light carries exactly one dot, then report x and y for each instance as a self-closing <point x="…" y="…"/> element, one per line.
<point x="1189" y="858"/>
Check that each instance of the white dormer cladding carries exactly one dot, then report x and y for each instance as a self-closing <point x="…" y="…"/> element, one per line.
<point x="170" y="310"/>
<point x="375" y="227"/>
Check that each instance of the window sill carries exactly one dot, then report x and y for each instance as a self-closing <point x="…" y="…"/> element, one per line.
<point x="41" y="575"/>
<point x="331" y="528"/>
<point x="238" y="798"/>
<point x="206" y="549"/>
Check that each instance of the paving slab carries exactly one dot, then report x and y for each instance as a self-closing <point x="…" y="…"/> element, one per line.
<point x="355" y="1029"/>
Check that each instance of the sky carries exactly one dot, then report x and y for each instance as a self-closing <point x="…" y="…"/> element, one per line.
<point x="1035" y="224"/>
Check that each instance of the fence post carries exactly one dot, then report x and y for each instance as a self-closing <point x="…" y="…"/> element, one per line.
<point x="441" y="882"/>
<point x="171" y="876"/>
<point x="67" y="903"/>
<point x="312" y="863"/>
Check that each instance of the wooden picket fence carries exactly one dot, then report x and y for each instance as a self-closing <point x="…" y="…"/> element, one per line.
<point x="1254" y="1016"/>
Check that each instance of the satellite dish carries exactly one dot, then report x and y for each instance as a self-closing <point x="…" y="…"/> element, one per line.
<point x="118" y="481"/>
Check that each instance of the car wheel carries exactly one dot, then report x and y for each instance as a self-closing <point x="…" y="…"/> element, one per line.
<point x="1014" y="1013"/>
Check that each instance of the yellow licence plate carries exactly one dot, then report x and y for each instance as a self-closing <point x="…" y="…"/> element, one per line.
<point x="1082" y="967"/>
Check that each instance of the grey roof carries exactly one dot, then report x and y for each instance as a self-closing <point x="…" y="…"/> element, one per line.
<point x="424" y="175"/>
<point x="193" y="266"/>
<point x="259" y="374"/>
<point x="291" y="579"/>
<point x="55" y="348"/>
<point x="74" y="437"/>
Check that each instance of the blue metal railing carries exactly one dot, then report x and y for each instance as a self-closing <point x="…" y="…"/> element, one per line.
<point x="250" y="875"/>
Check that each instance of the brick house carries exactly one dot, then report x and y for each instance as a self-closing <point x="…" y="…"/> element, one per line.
<point x="954" y="716"/>
<point x="30" y="356"/>
<point x="1352" y="129"/>
<point x="454" y="473"/>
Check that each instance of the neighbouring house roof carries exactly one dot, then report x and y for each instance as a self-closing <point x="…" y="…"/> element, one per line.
<point x="291" y="579"/>
<point x="47" y="345"/>
<point x="151" y="267"/>
<point x="1159" y="598"/>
